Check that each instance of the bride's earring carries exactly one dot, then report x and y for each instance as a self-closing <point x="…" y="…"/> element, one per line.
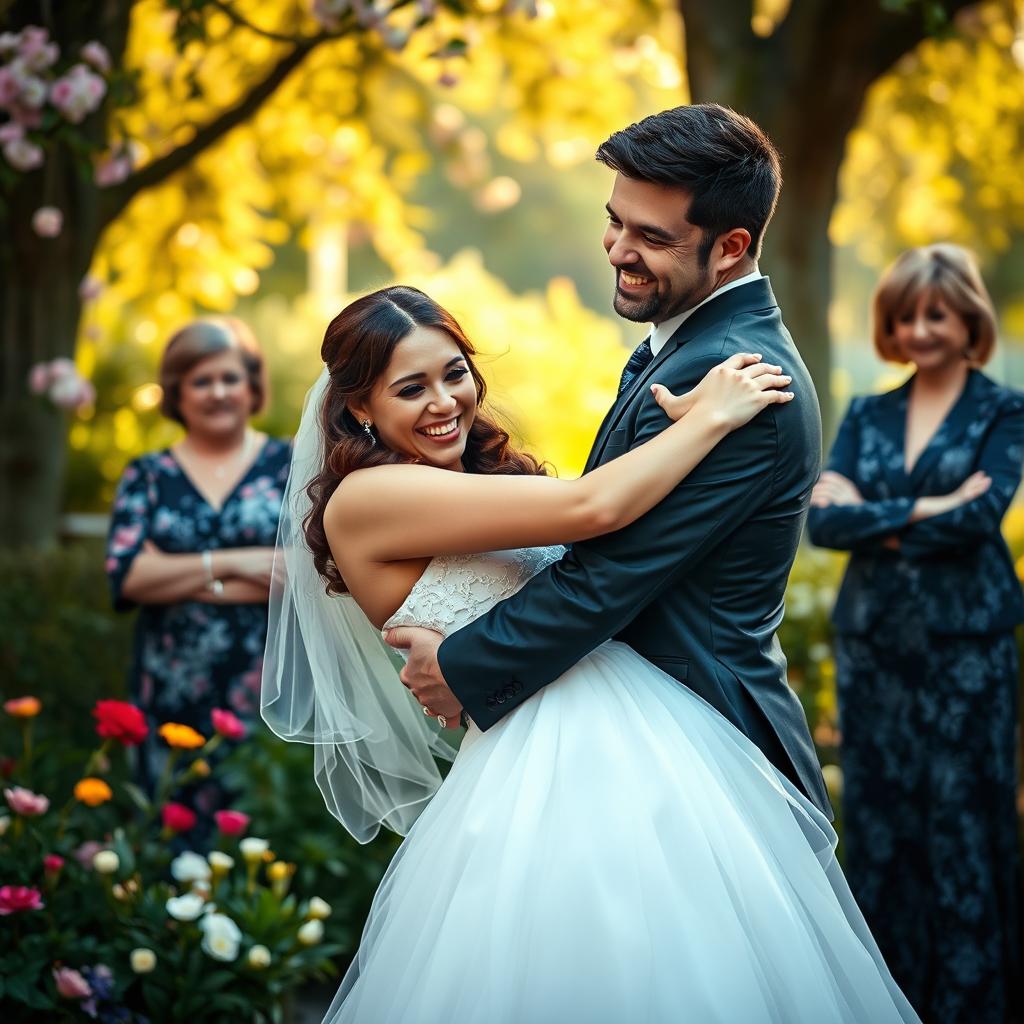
<point x="368" y="429"/>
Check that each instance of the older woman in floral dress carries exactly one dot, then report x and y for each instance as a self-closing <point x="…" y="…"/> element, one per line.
<point x="916" y="488"/>
<point x="191" y="540"/>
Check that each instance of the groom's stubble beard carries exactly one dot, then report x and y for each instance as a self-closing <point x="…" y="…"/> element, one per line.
<point x="662" y="306"/>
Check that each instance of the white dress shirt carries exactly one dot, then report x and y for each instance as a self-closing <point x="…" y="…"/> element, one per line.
<point x="660" y="333"/>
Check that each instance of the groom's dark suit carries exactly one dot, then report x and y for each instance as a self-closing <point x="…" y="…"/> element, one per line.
<point x="696" y="585"/>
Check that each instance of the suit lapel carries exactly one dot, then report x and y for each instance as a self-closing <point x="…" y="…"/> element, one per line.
<point x="755" y="295"/>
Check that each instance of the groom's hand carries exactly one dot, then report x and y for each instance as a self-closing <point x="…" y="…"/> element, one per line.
<point x="422" y="674"/>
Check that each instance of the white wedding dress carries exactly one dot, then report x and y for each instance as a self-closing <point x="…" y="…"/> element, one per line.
<point x="612" y="852"/>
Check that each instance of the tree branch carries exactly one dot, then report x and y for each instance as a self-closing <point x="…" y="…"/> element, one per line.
<point x="159" y="170"/>
<point x="240" y="19"/>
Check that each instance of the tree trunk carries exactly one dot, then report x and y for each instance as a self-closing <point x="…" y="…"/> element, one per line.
<point x="40" y="307"/>
<point x="805" y="85"/>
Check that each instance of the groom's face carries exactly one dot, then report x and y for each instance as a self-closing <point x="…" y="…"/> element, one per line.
<point x="654" y="250"/>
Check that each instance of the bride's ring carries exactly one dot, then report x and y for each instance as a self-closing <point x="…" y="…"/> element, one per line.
<point x="442" y="721"/>
<point x="427" y="711"/>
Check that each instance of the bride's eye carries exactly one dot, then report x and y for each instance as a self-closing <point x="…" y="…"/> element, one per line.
<point x="457" y="374"/>
<point x="410" y="391"/>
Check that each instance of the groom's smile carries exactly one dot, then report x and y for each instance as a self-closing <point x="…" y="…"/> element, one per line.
<point x="654" y="250"/>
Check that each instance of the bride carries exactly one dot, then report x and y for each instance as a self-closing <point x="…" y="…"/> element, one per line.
<point x="613" y="849"/>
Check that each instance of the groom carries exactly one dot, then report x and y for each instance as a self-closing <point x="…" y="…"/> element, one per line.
<point x="696" y="586"/>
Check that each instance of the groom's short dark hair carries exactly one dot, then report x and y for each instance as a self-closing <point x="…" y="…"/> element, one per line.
<point x="727" y="164"/>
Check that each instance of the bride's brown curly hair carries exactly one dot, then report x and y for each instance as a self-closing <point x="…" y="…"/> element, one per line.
<point x="357" y="349"/>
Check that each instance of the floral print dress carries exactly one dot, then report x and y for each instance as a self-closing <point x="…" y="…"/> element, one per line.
<point x="927" y="676"/>
<point x="192" y="657"/>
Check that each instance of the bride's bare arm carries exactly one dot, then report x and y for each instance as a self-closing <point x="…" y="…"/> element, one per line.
<point x="389" y="513"/>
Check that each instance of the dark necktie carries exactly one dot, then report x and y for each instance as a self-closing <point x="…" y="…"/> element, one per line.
<point x="637" y="363"/>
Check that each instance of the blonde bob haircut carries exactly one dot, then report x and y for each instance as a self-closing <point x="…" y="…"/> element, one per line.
<point x="951" y="273"/>
<point x="198" y="341"/>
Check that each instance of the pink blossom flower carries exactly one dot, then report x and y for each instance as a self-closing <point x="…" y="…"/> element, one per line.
<point x="85" y="853"/>
<point x="228" y="724"/>
<point x="231" y="823"/>
<point x="52" y="863"/>
<point x="15" y="898"/>
<point x="26" y="803"/>
<point x="95" y="53"/>
<point x="9" y="43"/>
<point x="112" y="169"/>
<point x="23" y="155"/>
<point x="47" y="222"/>
<point x="31" y="91"/>
<point x="35" y="48"/>
<point x="71" y="392"/>
<point x="71" y="984"/>
<point x="77" y="93"/>
<point x="9" y="86"/>
<point x="12" y="131"/>
<point x="63" y="367"/>
<point x="90" y="288"/>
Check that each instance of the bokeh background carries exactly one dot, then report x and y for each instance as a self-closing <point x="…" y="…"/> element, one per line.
<point x="276" y="158"/>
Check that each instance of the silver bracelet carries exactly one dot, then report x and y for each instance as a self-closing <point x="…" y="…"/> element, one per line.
<point x="213" y="584"/>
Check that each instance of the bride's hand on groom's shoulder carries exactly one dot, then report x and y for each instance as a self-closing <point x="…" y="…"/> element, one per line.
<point x="734" y="391"/>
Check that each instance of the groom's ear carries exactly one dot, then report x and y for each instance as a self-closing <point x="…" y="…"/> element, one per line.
<point x="731" y="248"/>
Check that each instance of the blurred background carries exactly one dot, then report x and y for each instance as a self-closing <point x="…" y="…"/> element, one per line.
<point x="276" y="158"/>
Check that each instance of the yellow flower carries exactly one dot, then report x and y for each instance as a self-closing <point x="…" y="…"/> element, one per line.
<point x="92" y="791"/>
<point x="280" y="870"/>
<point x="23" y="707"/>
<point x="200" y="768"/>
<point x="182" y="737"/>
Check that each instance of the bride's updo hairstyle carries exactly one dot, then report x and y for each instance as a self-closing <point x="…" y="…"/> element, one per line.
<point x="357" y="349"/>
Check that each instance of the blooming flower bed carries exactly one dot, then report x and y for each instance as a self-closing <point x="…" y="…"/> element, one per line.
<point x="107" y="915"/>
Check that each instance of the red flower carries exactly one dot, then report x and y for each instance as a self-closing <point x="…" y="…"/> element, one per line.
<point x="228" y="724"/>
<point x="178" y="818"/>
<point x="231" y="823"/>
<point x="14" y="898"/>
<point x="52" y="863"/>
<point x="121" y="721"/>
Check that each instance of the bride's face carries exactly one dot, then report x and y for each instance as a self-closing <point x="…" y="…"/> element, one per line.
<point x="425" y="401"/>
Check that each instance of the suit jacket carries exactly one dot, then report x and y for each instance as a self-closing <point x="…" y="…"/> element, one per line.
<point x="957" y="564"/>
<point x="696" y="585"/>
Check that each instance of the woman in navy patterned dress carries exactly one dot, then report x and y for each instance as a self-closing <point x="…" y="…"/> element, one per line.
<point x="191" y="541"/>
<point x="916" y="488"/>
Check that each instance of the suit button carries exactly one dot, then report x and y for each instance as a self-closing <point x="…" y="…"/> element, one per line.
<point x="501" y="698"/>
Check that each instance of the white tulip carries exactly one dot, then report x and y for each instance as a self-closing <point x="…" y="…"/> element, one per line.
<point x="259" y="957"/>
<point x="185" y="908"/>
<point x="252" y="849"/>
<point x="190" y="867"/>
<point x="311" y="933"/>
<point x="221" y="937"/>
<point x="220" y="861"/>
<point x="142" y="960"/>
<point x="318" y="909"/>
<point x="106" y="862"/>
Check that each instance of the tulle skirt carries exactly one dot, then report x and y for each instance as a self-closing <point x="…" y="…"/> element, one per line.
<point x="615" y="851"/>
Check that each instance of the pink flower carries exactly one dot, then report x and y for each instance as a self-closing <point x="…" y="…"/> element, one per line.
<point x="112" y="170"/>
<point x="15" y="898"/>
<point x="77" y="93"/>
<point x="63" y="367"/>
<point x="23" y="155"/>
<point x="11" y="132"/>
<point x="90" y="288"/>
<point x="52" y="863"/>
<point x="228" y="724"/>
<point x="96" y="54"/>
<point x="70" y="984"/>
<point x="231" y="823"/>
<point x="35" y="48"/>
<point x="178" y="817"/>
<point x="39" y="378"/>
<point x="47" y="222"/>
<point x="9" y="86"/>
<point x="85" y="853"/>
<point x="26" y="803"/>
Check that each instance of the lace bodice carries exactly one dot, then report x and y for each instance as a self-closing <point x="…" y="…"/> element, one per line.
<point x="455" y="589"/>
